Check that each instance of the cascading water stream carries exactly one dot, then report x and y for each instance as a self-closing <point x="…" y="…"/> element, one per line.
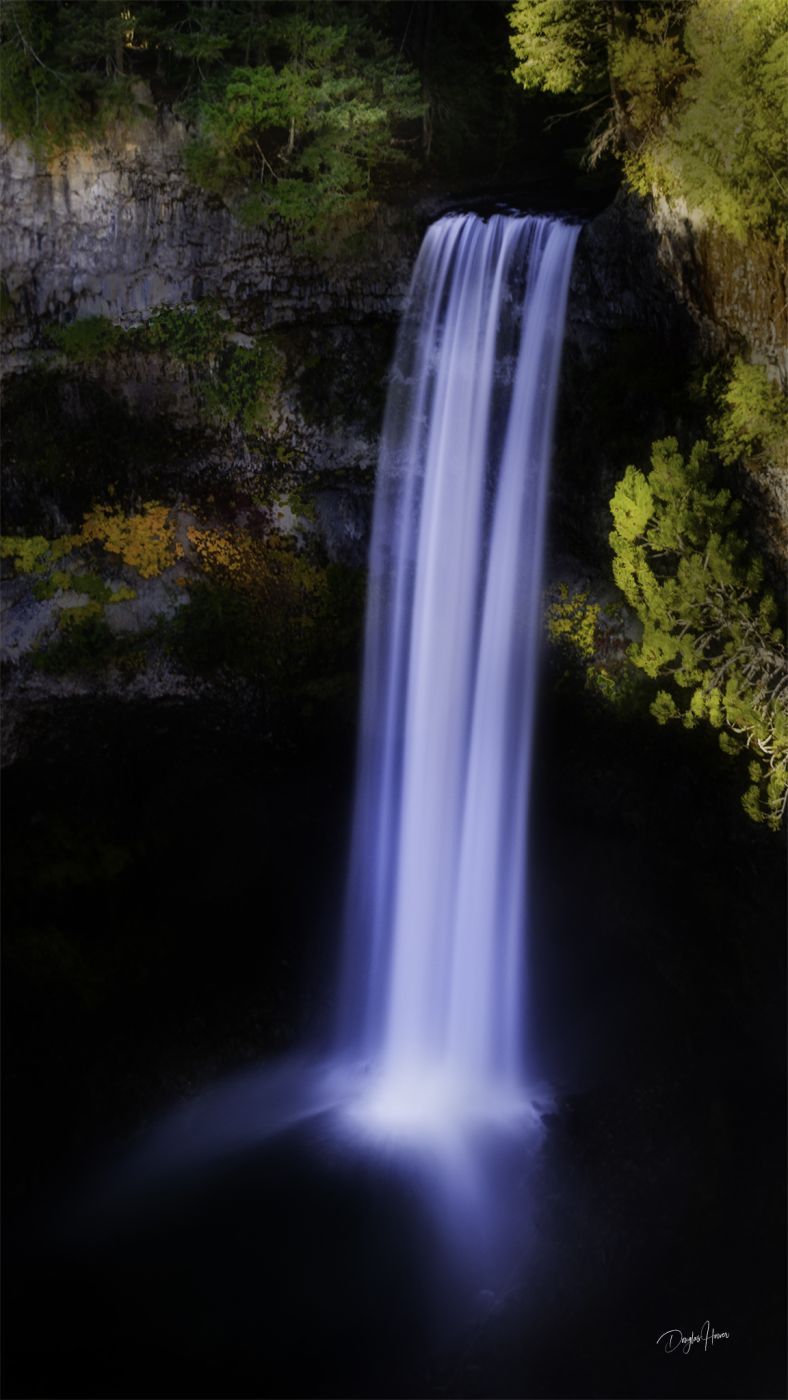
<point x="432" y="992"/>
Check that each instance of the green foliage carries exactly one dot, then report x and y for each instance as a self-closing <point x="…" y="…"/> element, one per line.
<point x="239" y="383"/>
<point x="648" y="63"/>
<point x="62" y="69"/>
<point x="306" y="135"/>
<point x="81" y="613"/>
<point x="708" y="625"/>
<point x="301" y="110"/>
<point x="591" y="633"/>
<point x="57" y="582"/>
<point x="572" y="618"/>
<point x="265" y="611"/>
<point x="753" y="422"/>
<point x="628" y="58"/>
<point x="247" y="386"/>
<point x="560" y="45"/>
<point x="693" y="95"/>
<point x="258" y="608"/>
<point x="29" y="554"/>
<point x="190" y="334"/>
<point x="124" y="594"/>
<point x="91" y="585"/>
<point x="86" y="340"/>
<point x="724" y="149"/>
<point x="300" y="504"/>
<point x="145" y="540"/>
<point x="84" y="644"/>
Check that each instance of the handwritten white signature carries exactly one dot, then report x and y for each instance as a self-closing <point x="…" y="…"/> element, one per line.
<point x="675" y="1338"/>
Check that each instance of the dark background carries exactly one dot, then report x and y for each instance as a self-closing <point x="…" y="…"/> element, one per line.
<point x="192" y="872"/>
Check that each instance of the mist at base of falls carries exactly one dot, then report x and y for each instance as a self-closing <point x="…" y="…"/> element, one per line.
<point x="466" y="1175"/>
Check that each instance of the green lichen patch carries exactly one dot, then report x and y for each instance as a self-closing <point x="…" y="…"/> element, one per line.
<point x="86" y="645"/>
<point x="87" y="339"/>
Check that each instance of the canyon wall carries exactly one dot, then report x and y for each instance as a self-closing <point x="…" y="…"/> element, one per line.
<point x="118" y="232"/>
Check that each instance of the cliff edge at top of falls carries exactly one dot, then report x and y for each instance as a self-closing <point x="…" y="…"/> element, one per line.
<point x="116" y="229"/>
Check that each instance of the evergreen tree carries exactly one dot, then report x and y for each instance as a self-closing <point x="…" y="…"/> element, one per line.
<point x="307" y="134"/>
<point x="708" y="624"/>
<point x="752" y="423"/>
<point x="724" y="147"/>
<point x="692" y="94"/>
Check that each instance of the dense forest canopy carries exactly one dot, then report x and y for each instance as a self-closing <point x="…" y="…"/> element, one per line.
<point x="294" y="109"/>
<point x="692" y="95"/>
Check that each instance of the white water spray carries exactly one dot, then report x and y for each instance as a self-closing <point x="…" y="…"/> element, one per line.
<point x="433" y="991"/>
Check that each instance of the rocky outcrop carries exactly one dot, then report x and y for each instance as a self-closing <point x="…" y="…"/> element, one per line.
<point x="662" y="268"/>
<point x="736" y="294"/>
<point x="618" y="283"/>
<point x="118" y="230"/>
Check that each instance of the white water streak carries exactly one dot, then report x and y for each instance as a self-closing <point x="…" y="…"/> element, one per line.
<point x="436" y="910"/>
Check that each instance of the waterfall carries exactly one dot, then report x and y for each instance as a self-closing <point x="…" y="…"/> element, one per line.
<point x="432" y="988"/>
<point x="428" y="1050"/>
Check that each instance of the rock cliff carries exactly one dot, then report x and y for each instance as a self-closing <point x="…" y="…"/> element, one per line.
<point x="118" y="232"/>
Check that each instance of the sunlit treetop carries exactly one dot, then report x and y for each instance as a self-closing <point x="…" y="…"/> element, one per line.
<point x="709" y="628"/>
<point x="691" y="94"/>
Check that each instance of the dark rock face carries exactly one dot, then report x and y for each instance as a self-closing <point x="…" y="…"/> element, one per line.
<point x="118" y="231"/>
<point x="737" y="296"/>
<point x="655" y="266"/>
<point x="618" y="283"/>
